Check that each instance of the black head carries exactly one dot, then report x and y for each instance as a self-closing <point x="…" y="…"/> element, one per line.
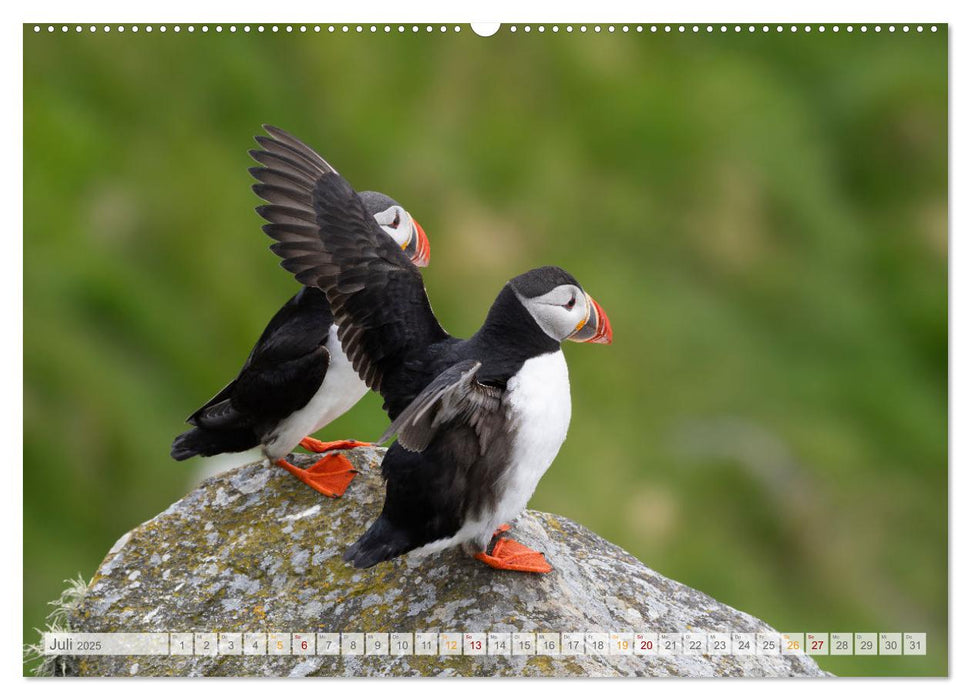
<point x="377" y="202"/>
<point x="541" y="280"/>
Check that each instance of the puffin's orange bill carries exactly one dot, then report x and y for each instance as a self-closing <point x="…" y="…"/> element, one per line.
<point x="597" y="327"/>
<point x="423" y="250"/>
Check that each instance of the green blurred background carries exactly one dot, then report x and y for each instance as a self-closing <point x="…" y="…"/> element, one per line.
<point x="764" y="217"/>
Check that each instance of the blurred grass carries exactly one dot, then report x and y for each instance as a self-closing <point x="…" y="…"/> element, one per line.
<point x="764" y="217"/>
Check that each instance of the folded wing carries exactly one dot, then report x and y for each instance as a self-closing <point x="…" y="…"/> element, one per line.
<point x="454" y="396"/>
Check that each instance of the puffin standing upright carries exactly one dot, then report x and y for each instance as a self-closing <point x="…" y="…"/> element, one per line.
<point x="479" y="420"/>
<point x="296" y="379"/>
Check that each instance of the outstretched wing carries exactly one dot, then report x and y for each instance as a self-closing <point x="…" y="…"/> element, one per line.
<point x="327" y="239"/>
<point x="454" y="396"/>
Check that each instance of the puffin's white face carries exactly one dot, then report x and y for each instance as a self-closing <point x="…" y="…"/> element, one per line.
<point x="565" y="312"/>
<point x="560" y="312"/>
<point x="405" y="231"/>
<point x="396" y="222"/>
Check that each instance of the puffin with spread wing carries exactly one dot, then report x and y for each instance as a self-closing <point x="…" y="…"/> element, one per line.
<point x="296" y="379"/>
<point x="478" y="421"/>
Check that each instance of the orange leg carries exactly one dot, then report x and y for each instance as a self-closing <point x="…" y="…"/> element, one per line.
<point x="509" y="555"/>
<point x="315" y="445"/>
<point x="330" y="476"/>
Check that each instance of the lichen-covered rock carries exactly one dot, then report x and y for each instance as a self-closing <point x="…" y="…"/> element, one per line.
<point x="254" y="550"/>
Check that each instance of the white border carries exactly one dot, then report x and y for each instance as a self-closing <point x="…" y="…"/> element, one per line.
<point x="616" y="11"/>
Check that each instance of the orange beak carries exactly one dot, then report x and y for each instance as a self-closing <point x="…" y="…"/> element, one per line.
<point x="597" y="328"/>
<point x="423" y="251"/>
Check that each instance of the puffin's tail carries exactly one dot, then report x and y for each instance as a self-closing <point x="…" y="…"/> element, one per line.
<point x="381" y="542"/>
<point x="206" y="443"/>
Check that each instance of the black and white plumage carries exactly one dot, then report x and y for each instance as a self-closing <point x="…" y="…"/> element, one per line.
<point x="479" y="420"/>
<point x="296" y="379"/>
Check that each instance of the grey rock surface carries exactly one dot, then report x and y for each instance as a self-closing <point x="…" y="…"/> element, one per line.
<point x="254" y="550"/>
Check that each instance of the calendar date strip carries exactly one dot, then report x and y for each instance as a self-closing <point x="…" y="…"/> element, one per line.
<point x="697" y="643"/>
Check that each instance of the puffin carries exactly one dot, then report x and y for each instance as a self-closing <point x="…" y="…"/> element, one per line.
<point x="297" y="379"/>
<point x="478" y="420"/>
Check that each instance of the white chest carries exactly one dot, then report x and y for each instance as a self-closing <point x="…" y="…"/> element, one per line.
<point x="340" y="390"/>
<point x="538" y="405"/>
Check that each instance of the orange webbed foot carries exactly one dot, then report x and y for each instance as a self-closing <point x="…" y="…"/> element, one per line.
<point x="314" y="445"/>
<point x="509" y="555"/>
<point x="330" y="476"/>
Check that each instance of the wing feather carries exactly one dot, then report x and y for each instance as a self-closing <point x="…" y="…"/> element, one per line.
<point x="278" y="178"/>
<point x="287" y="195"/>
<point x="295" y="169"/>
<point x="287" y="216"/>
<point x="328" y="239"/>
<point x="454" y="395"/>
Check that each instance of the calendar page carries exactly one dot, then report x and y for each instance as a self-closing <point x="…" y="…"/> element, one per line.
<point x="394" y="463"/>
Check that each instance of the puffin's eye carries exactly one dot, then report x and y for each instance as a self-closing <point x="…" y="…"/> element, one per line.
<point x="397" y="220"/>
<point x="570" y="304"/>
